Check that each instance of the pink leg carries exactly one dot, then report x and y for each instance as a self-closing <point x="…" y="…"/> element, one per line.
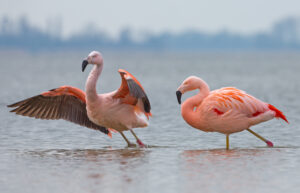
<point x="128" y="142"/>
<point x="141" y="144"/>
<point x="269" y="143"/>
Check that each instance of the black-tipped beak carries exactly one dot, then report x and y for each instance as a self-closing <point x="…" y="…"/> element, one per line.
<point x="178" y="94"/>
<point x="84" y="64"/>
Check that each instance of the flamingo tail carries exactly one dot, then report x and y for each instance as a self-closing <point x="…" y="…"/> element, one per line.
<point x="278" y="114"/>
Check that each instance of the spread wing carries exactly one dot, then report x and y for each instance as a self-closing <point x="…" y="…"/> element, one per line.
<point x="65" y="102"/>
<point x="132" y="92"/>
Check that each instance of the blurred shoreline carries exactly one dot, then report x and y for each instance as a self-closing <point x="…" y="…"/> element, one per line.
<point x="284" y="35"/>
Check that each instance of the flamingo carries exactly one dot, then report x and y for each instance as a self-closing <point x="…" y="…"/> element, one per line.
<point x="227" y="110"/>
<point x="117" y="111"/>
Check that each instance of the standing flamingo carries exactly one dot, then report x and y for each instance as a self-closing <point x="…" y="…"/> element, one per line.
<point x="121" y="110"/>
<point x="226" y="110"/>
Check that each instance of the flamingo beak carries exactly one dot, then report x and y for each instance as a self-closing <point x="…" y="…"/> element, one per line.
<point x="84" y="64"/>
<point x="178" y="94"/>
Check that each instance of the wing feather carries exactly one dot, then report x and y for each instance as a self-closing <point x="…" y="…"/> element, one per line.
<point x="234" y="100"/>
<point x="136" y="91"/>
<point x="132" y="89"/>
<point x="56" y="104"/>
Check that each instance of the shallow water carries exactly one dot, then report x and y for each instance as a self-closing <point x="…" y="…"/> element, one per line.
<point x="58" y="156"/>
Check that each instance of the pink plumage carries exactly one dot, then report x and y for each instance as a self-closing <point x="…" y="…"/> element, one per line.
<point x="226" y="110"/>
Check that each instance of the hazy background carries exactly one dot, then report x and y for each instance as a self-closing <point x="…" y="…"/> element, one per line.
<point x="252" y="45"/>
<point x="158" y="25"/>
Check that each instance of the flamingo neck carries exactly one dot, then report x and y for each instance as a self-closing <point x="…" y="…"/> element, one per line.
<point x="90" y="86"/>
<point x="189" y="107"/>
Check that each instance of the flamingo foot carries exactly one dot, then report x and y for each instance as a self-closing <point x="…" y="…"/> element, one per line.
<point x="269" y="143"/>
<point x="131" y="145"/>
<point x="141" y="144"/>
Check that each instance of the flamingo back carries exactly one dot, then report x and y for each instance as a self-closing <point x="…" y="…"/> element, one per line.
<point x="234" y="100"/>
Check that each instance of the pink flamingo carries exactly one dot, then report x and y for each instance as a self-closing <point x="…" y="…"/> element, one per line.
<point x="121" y="110"/>
<point x="226" y="110"/>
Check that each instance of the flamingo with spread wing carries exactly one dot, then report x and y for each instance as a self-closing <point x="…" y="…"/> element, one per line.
<point x="121" y="110"/>
<point x="226" y="110"/>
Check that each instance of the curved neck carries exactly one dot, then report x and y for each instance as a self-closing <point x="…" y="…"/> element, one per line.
<point x="189" y="107"/>
<point x="90" y="85"/>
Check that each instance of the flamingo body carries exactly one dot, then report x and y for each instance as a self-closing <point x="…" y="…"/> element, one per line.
<point x="226" y="110"/>
<point x="123" y="109"/>
<point x="115" y="114"/>
<point x="230" y="110"/>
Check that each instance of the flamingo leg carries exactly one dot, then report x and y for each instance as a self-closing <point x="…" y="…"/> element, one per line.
<point x="128" y="142"/>
<point x="227" y="142"/>
<point x="141" y="144"/>
<point x="269" y="143"/>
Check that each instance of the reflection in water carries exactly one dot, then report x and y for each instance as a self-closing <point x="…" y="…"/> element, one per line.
<point x="223" y="154"/>
<point x="100" y="166"/>
<point x="196" y="159"/>
<point x="90" y="154"/>
<point x="221" y="169"/>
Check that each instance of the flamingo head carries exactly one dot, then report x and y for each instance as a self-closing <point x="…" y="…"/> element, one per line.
<point x="189" y="84"/>
<point x="94" y="58"/>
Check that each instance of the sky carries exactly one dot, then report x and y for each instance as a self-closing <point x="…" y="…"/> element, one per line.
<point x="156" y="16"/>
